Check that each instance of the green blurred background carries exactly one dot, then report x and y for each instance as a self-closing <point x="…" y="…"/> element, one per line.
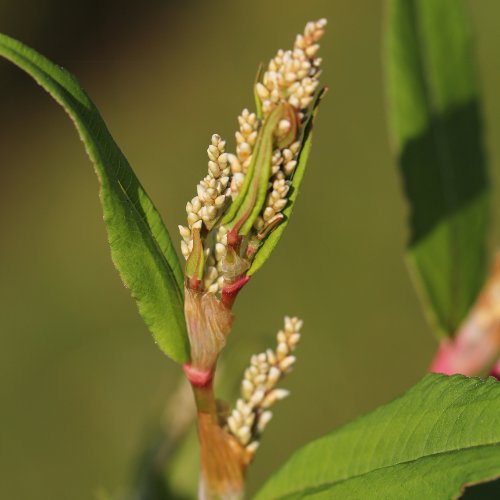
<point x="82" y="385"/>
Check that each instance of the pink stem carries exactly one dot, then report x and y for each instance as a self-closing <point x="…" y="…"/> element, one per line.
<point x="475" y="349"/>
<point x="230" y="292"/>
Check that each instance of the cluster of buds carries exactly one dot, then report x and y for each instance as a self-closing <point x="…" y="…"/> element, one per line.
<point x="258" y="389"/>
<point x="241" y="199"/>
<point x="292" y="75"/>
<point x="245" y="141"/>
<point x="204" y="210"/>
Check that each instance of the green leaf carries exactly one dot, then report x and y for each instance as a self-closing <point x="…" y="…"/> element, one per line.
<point x="258" y="102"/>
<point x="442" y="434"/>
<point x="435" y="120"/>
<point x="271" y="241"/>
<point x="141" y="248"/>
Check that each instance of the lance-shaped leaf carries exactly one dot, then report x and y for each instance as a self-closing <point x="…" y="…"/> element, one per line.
<point x="434" y="111"/>
<point x="271" y="241"/>
<point x="443" y="434"/>
<point x="141" y="248"/>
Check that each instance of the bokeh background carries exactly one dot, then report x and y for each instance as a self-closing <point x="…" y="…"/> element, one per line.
<point x="82" y="385"/>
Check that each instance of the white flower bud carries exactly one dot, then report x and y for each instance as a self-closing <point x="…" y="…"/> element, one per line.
<point x="244" y="434"/>
<point x="284" y="126"/>
<point x="282" y="350"/>
<point x="192" y="218"/>
<point x="271" y="357"/>
<point x="232" y="424"/>
<point x="273" y="396"/>
<point x="249" y="420"/>
<point x="262" y="92"/>
<point x="279" y="205"/>
<point x="263" y="420"/>
<point x="257" y="397"/>
<point x="274" y="376"/>
<point x="252" y="447"/>
<point x="184" y="231"/>
<point x="286" y="364"/>
<point x="246" y="388"/>
<point x="311" y="50"/>
<point x="294" y="101"/>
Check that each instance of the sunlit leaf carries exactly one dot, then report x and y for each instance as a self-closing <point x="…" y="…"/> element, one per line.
<point x="140" y="245"/>
<point x="441" y="435"/>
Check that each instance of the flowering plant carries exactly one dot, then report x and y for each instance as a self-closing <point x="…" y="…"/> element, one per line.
<point x="234" y="222"/>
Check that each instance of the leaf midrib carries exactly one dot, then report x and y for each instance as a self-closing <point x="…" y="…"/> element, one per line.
<point x="158" y="249"/>
<point x="327" y="485"/>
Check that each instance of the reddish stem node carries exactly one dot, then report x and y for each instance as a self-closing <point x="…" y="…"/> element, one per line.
<point x="230" y="292"/>
<point x="198" y="378"/>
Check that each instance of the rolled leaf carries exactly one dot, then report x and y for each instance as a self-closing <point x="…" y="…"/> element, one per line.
<point x="248" y="203"/>
<point x="272" y="240"/>
<point x="141" y="248"/>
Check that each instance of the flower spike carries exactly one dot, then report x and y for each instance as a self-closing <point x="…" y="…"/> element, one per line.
<point x="258" y="388"/>
<point x="240" y="201"/>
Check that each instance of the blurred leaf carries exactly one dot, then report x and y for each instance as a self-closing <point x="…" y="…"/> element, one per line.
<point x="271" y="241"/>
<point x="153" y="478"/>
<point x="102" y="494"/>
<point x="140" y="245"/>
<point x="442" y="434"/>
<point x="435" y="120"/>
<point x="150" y="480"/>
